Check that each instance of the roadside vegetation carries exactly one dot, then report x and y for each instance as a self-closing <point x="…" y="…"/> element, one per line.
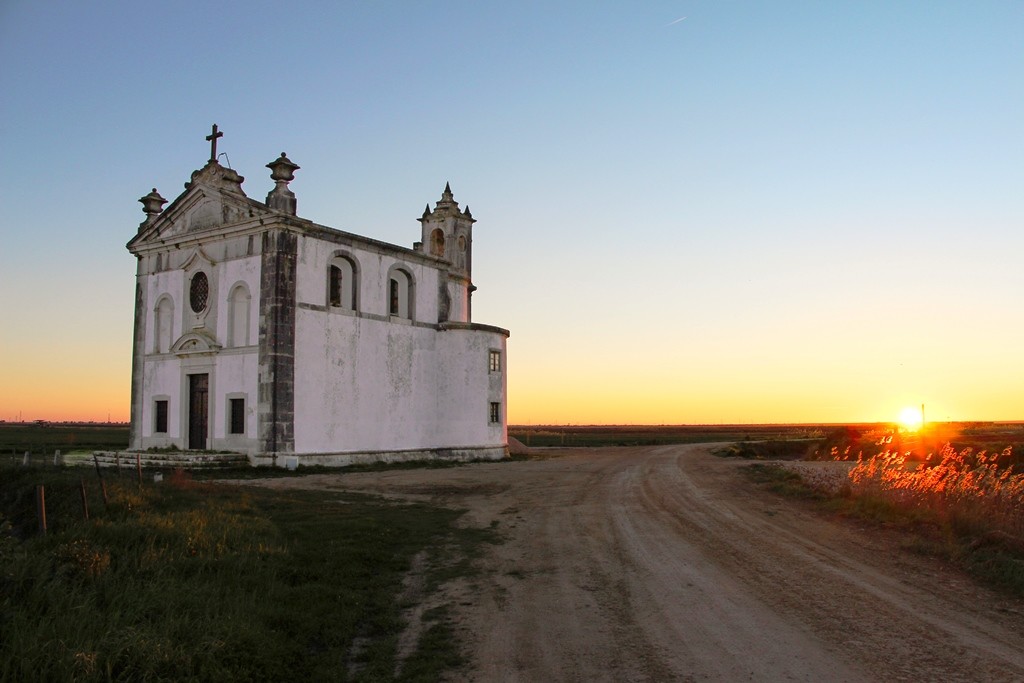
<point x="960" y="502"/>
<point x="196" y="580"/>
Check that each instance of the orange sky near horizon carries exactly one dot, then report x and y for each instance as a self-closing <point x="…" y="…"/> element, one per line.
<point x="543" y="391"/>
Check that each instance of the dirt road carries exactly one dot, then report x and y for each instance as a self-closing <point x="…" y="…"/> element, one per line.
<point x="665" y="564"/>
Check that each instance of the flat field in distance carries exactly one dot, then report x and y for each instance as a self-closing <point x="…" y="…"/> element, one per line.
<point x="654" y="435"/>
<point x="43" y="438"/>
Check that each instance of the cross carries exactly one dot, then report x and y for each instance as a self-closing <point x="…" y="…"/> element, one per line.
<point x="212" y="138"/>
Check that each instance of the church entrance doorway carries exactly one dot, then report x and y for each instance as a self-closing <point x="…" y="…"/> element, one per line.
<point x="198" y="410"/>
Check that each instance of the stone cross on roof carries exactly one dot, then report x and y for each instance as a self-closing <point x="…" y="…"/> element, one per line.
<point x="212" y="139"/>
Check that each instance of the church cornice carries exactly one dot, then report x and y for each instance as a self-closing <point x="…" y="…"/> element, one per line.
<point x="253" y="226"/>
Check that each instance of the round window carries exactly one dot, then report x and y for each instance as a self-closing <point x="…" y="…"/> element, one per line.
<point x="199" y="292"/>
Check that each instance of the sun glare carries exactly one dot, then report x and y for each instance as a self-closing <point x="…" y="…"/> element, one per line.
<point x="910" y="418"/>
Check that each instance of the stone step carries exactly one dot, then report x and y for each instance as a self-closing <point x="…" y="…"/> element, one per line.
<point x="172" y="460"/>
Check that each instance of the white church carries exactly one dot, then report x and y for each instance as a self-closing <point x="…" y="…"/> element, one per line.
<point x="263" y="333"/>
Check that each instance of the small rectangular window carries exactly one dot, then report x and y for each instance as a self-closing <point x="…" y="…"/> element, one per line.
<point x="160" y="424"/>
<point x="495" y="413"/>
<point x="495" y="363"/>
<point x="237" y="415"/>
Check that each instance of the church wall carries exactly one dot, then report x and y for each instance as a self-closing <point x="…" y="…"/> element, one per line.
<point x="233" y="370"/>
<point x="374" y="267"/>
<point x="235" y="375"/>
<point x="467" y="387"/>
<point x="365" y="385"/>
<point x="169" y="283"/>
<point x="244" y="271"/>
<point x="161" y="381"/>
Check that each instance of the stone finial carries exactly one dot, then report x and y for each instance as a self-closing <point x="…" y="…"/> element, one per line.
<point x="426" y="211"/>
<point x="466" y="212"/>
<point x="153" y="205"/>
<point x="447" y="203"/>
<point x="282" y="168"/>
<point x="282" y="172"/>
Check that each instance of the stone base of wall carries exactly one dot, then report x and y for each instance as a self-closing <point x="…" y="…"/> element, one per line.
<point x="169" y="460"/>
<point x="295" y="460"/>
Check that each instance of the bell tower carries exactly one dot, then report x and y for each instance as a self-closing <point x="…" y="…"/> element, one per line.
<point x="448" y="234"/>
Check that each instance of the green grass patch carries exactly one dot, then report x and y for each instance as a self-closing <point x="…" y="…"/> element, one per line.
<point x="772" y="449"/>
<point x="307" y="470"/>
<point x="202" y="581"/>
<point x="781" y="480"/>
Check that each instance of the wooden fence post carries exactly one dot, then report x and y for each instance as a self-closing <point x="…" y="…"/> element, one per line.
<point x="85" y="499"/>
<point x="24" y="461"/>
<point x="117" y="462"/>
<point x="41" y="508"/>
<point x="103" y="483"/>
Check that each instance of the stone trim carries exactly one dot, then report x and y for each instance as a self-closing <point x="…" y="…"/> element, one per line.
<point x="476" y="327"/>
<point x="330" y="310"/>
<point x="468" y="454"/>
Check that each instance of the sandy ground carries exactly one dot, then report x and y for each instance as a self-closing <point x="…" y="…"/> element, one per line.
<point x="665" y="564"/>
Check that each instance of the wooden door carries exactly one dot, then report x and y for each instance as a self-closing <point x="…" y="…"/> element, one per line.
<point x="198" y="410"/>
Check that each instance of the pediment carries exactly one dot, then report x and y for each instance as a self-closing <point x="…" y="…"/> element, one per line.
<point x="198" y="256"/>
<point x="202" y="209"/>
<point x="212" y="199"/>
<point x="195" y="343"/>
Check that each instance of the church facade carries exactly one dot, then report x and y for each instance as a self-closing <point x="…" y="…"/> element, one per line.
<point x="260" y="332"/>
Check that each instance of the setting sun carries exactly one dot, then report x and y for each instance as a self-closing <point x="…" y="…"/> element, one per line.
<point x="911" y="418"/>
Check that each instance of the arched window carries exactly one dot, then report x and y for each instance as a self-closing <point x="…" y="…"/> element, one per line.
<point x="400" y="294"/>
<point x="238" y="315"/>
<point x="163" y="324"/>
<point x="437" y="242"/>
<point x="342" y="285"/>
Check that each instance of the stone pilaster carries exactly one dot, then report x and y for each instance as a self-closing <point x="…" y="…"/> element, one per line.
<point x="276" y="398"/>
<point x="138" y="359"/>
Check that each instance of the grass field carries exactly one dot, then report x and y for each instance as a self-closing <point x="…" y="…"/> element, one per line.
<point x="41" y="440"/>
<point x="208" y="582"/>
<point x="539" y="436"/>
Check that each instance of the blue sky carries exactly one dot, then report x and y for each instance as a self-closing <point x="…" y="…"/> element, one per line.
<point x="793" y="211"/>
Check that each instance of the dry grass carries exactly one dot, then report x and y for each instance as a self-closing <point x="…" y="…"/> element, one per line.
<point x="967" y="490"/>
<point x="963" y="505"/>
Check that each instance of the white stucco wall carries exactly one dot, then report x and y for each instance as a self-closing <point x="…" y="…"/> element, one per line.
<point x="230" y="273"/>
<point x="233" y="370"/>
<point x="373" y="268"/>
<point x="367" y="382"/>
<point x="371" y="385"/>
